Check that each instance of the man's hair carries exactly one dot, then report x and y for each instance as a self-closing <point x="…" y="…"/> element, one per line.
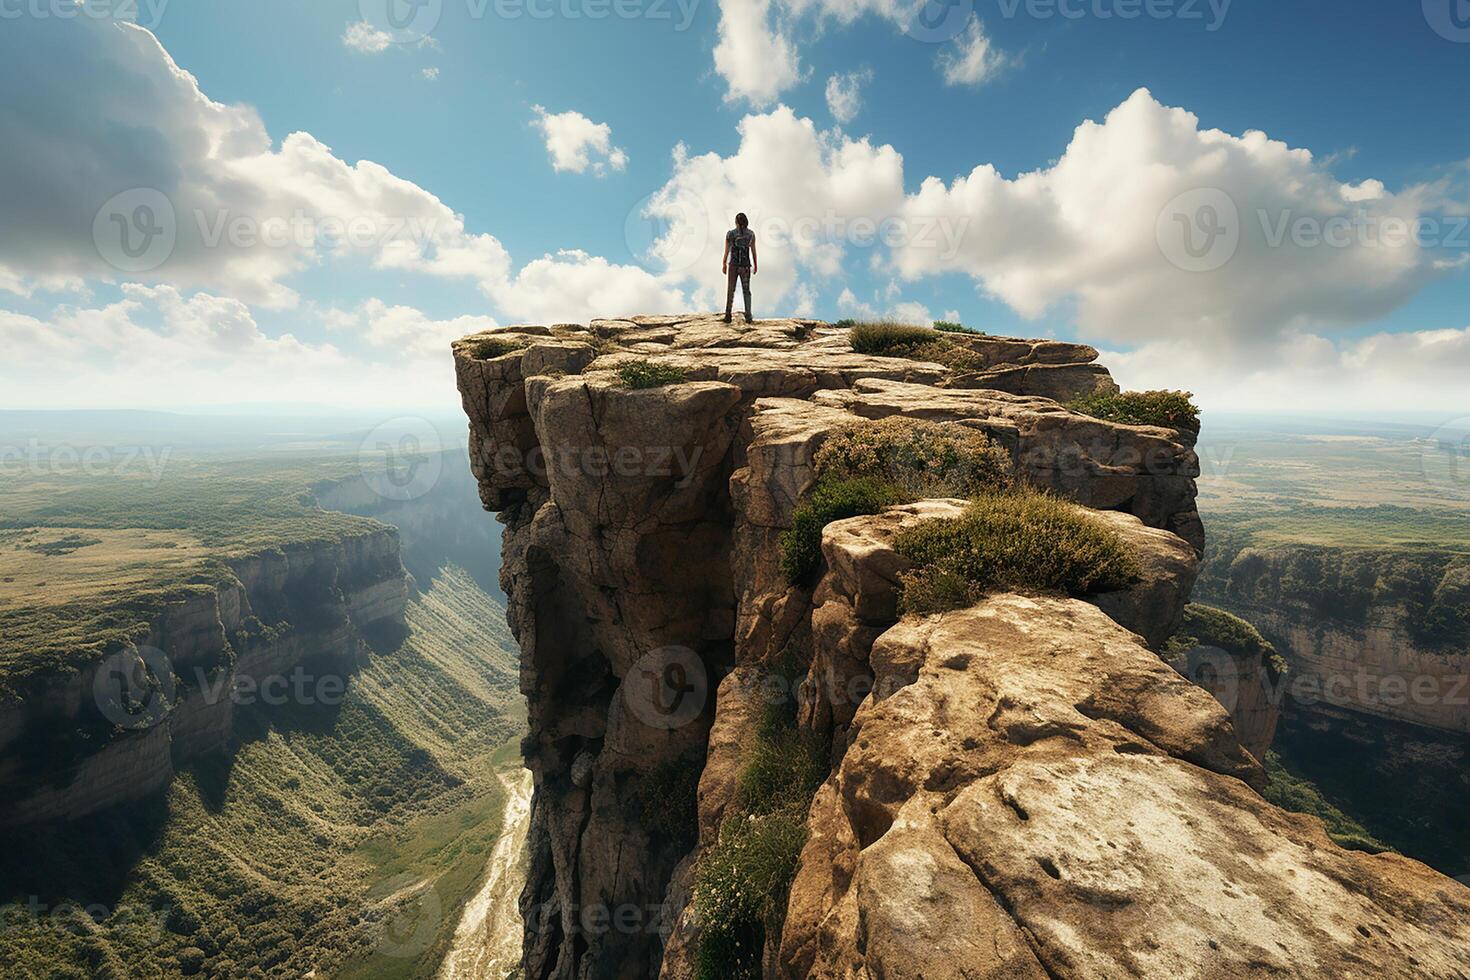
<point x="741" y="220"/>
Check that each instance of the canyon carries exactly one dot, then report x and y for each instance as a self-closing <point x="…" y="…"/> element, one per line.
<point x="1021" y="787"/>
<point x="116" y="728"/>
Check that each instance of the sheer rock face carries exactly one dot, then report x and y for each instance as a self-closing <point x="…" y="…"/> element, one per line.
<point x="642" y="565"/>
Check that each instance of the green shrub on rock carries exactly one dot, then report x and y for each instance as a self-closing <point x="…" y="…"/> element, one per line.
<point x="488" y="347"/>
<point x="871" y="465"/>
<point x="828" y="501"/>
<point x="1020" y="541"/>
<point x="949" y="326"/>
<point x="925" y="458"/>
<point x="1170" y="409"/>
<point x="646" y="374"/>
<point x="915" y="343"/>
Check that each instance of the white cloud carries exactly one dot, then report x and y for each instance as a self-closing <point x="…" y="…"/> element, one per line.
<point x="788" y="177"/>
<point x="248" y="215"/>
<point x="1084" y="237"/>
<point x="430" y="74"/>
<point x="1411" y="370"/>
<point x="845" y="94"/>
<point x="901" y="311"/>
<point x="576" y="143"/>
<point x="402" y="328"/>
<point x="1094" y="229"/>
<point x="364" y="37"/>
<point x="755" y="57"/>
<point x="210" y="350"/>
<point x="972" y="59"/>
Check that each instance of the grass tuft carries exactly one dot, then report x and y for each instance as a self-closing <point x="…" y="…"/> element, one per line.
<point x="1170" y="409"/>
<point x="891" y="339"/>
<point x="949" y="326"/>
<point x="646" y="374"/>
<point x="927" y="459"/>
<point x="1018" y="541"/>
<point x="489" y="347"/>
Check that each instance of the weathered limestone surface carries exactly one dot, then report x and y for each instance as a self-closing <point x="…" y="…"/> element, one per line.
<point x="1019" y="789"/>
<point x="1032" y="793"/>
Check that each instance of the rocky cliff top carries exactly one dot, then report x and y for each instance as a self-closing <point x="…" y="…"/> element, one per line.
<point x="793" y="763"/>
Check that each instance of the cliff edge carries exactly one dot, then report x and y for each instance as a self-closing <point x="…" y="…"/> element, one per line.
<point x="799" y="709"/>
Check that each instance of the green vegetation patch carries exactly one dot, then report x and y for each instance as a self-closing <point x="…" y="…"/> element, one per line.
<point x="924" y="458"/>
<point x="871" y="465"/>
<point x="1020" y="541"/>
<point x="828" y="501"/>
<point x="949" y="326"/>
<point x="1207" y="626"/>
<point x="647" y="374"/>
<point x="744" y="880"/>
<point x="1292" y="792"/>
<point x="915" y="343"/>
<point x="489" y="347"/>
<point x="1170" y="409"/>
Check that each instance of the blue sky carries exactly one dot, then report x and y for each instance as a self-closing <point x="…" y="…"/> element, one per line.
<point x="468" y="116"/>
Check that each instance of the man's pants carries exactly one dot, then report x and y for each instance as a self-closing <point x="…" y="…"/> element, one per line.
<point x="744" y="276"/>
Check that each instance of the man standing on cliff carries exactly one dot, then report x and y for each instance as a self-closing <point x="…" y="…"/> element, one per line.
<point x="739" y="262"/>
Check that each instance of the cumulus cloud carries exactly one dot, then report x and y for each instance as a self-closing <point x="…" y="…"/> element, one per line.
<point x="403" y="328"/>
<point x="1094" y="234"/>
<point x="1409" y="370"/>
<point x="845" y="94"/>
<point x="576" y="143"/>
<point x="792" y="180"/>
<point x="1155" y="227"/>
<point x="753" y="55"/>
<point x="970" y="59"/>
<point x="364" y="37"/>
<point x="209" y="348"/>
<point x="243" y="215"/>
<point x="430" y="74"/>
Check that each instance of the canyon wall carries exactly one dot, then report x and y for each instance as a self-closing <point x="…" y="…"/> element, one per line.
<point x="1372" y="632"/>
<point x="116" y="728"/>
<point x="1021" y="788"/>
